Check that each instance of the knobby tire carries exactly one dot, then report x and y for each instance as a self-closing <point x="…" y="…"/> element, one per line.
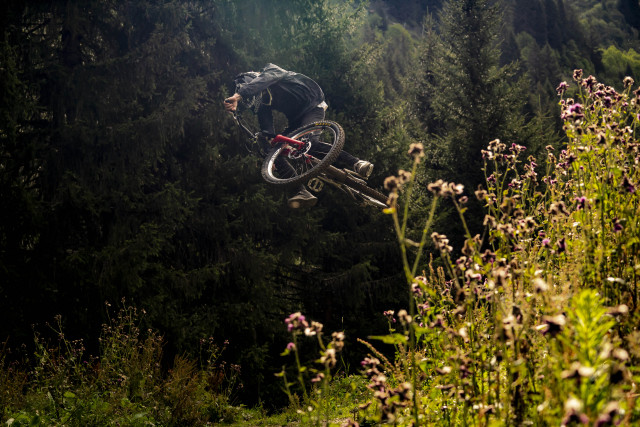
<point x="335" y="148"/>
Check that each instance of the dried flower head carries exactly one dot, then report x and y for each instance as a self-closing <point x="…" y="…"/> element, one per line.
<point x="315" y="328"/>
<point x="577" y="74"/>
<point x="441" y="242"/>
<point x="403" y="176"/>
<point x="552" y="325"/>
<point x="436" y="187"/>
<point x="391" y="183"/>
<point x="540" y="286"/>
<point x="404" y="317"/>
<point x="416" y="150"/>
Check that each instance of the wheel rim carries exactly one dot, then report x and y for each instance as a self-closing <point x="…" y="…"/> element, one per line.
<point x="287" y="164"/>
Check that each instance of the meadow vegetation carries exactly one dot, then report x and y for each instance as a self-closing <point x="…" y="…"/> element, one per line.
<point x="534" y="321"/>
<point x="531" y="322"/>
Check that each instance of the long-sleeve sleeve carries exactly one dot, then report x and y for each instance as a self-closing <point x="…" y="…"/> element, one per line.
<point x="269" y="75"/>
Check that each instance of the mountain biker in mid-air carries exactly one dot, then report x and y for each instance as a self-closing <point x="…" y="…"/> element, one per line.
<point x="300" y="99"/>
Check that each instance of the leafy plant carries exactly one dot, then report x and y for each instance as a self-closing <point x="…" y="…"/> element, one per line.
<point x="531" y="321"/>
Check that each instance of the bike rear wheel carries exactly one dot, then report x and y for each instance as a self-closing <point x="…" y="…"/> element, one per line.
<point x="323" y="141"/>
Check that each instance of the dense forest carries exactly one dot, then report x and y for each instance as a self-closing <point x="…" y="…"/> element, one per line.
<point x="127" y="188"/>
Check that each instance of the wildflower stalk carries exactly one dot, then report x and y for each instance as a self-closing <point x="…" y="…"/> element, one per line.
<point x="423" y="239"/>
<point x="299" y="368"/>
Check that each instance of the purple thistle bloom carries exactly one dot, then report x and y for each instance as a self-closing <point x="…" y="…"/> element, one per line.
<point x="573" y="112"/>
<point x="296" y="321"/>
<point x="617" y="227"/>
<point x="562" y="88"/>
<point x="626" y="183"/>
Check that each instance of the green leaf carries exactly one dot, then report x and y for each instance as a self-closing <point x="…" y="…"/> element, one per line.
<point x="394" y="339"/>
<point x="420" y="331"/>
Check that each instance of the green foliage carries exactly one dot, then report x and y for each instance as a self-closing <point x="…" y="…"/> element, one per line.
<point x="123" y="177"/>
<point x="619" y="64"/>
<point x="124" y="384"/>
<point x="533" y="323"/>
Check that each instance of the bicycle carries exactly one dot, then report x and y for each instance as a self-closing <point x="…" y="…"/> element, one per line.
<point x="307" y="156"/>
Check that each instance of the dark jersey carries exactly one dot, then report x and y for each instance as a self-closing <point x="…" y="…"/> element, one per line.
<point x="291" y="93"/>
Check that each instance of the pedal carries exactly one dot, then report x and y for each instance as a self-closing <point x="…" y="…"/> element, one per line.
<point x="315" y="185"/>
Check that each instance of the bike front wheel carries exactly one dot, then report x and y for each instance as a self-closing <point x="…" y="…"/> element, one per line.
<point x="322" y="142"/>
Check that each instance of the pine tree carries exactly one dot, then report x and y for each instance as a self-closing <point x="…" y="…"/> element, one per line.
<point x="472" y="99"/>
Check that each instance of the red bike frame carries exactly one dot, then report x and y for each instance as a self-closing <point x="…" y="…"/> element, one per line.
<point x="297" y="145"/>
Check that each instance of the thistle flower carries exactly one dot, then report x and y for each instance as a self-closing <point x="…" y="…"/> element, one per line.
<point x="489" y="221"/>
<point x="552" y="325"/>
<point x="577" y="74"/>
<point x="450" y="189"/>
<point x="626" y="183"/>
<point x="574" y="112"/>
<point x="403" y="176"/>
<point x="441" y="242"/>
<point x="391" y="183"/>
<point x="404" y="317"/>
<point x="589" y="83"/>
<point x="389" y="314"/>
<point x="328" y="358"/>
<point x="608" y="415"/>
<point x="562" y="88"/>
<point x="578" y="371"/>
<point x="540" y="286"/>
<point x="296" y="322"/>
<point x="573" y="412"/>
<point x="581" y="202"/>
<point x="617" y="227"/>
<point x="480" y="193"/>
<point x="436" y="187"/>
<point x="558" y="208"/>
<point x="315" y="328"/>
<point x="416" y="150"/>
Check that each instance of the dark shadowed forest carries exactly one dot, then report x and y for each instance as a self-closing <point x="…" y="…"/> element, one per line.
<point x="147" y="269"/>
